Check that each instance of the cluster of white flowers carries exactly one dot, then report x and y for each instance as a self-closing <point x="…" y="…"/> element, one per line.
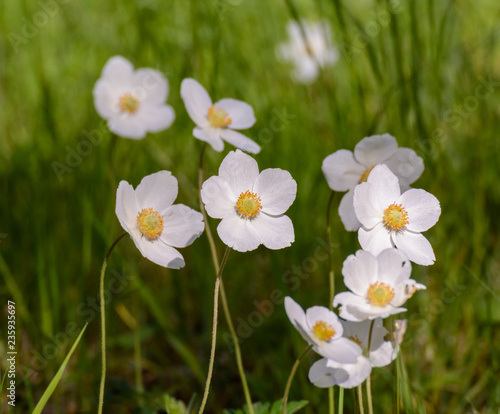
<point x="389" y="217"/>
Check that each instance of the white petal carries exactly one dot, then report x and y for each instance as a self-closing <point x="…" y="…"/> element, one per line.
<point x="340" y="350"/>
<point x="106" y="96"/>
<point x="357" y="372"/>
<point x="375" y="240"/>
<point x="355" y="308"/>
<point x="347" y="213"/>
<point x="417" y="247"/>
<point x="366" y="206"/>
<point x="383" y="355"/>
<point x="239" y="140"/>
<point x="158" y="252"/>
<point x="394" y="267"/>
<point x="197" y="101"/>
<point x="406" y="164"/>
<point x="127" y="126"/>
<point x="341" y="170"/>
<point x="325" y="377"/>
<point x="360" y="271"/>
<point x="211" y="136"/>
<point x="297" y="316"/>
<point x="320" y="313"/>
<point x="423" y="209"/>
<point x="158" y="191"/>
<point x="181" y="225"/>
<point x="276" y="189"/>
<point x="156" y="118"/>
<point x="118" y="71"/>
<point x="150" y="86"/>
<point x="238" y="234"/>
<point x="274" y="232"/>
<point x="405" y="290"/>
<point x="127" y="207"/>
<point x="217" y="197"/>
<point x="240" y="171"/>
<point x="375" y="149"/>
<point x="241" y="113"/>
<point x="385" y="186"/>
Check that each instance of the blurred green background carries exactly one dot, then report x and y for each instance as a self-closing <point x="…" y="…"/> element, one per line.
<point x="411" y="68"/>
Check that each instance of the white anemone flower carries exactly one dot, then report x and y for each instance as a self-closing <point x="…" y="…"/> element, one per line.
<point x="325" y="373"/>
<point x="344" y="170"/>
<point x="133" y="102"/>
<point x="378" y="285"/>
<point x="321" y="328"/>
<point x="217" y="122"/>
<point x="390" y="218"/>
<point x="250" y="204"/>
<point x="156" y="225"/>
<point x="310" y="55"/>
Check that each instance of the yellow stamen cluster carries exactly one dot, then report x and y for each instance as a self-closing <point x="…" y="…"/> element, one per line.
<point x="395" y="217"/>
<point x="150" y="223"/>
<point x="248" y="205"/>
<point x="217" y="117"/>
<point x="365" y="174"/>
<point x="380" y="294"/>
<point x="323" y="331"/>
<point x="128" y="103"/>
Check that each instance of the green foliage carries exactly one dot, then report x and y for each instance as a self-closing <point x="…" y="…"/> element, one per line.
<point x="267" y="408"/>
<point x="173" y="406"/>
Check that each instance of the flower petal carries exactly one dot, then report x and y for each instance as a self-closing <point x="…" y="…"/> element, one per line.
<point x="276" y="189"/>
<point x="106" y="97"/>
<point x="383" y="355"/>
<point x="340" y="350"/>
<point x="156" y="118"/>
<point x="394" y="267"/>
<point x="158" y="252"/>
<point x="239" y="140"/>
<point x="355" y="308"/>
<point x="341" y="170"/>
<point x="366" y="206"/>
<point x="356" y="372"/>
<point x="417" y="247"/>
<point x="375" y="240"/>
<point x="217" y="197"/>
<point x="197" y="101"/>
<point x="238" y="234"/>
<point x="211" y="136"/>
<point x="385" y="186"/>
<point x="241" y="113"/>
<point x="127" y="126"/>
<point x="325" y="377"/>
<point x="158" y="191"/>
<point x="181" y="225"/>
<point x="321" y="314"/>
<point x="118" y="71"/>
<point x="360" y="271"/>
<point x="297" y="317"/>
<point x="375" y="149"/>
<point x="150" y="86"/>
<point x="240" y="171"/>
<point x="423" y="209"/>
<point x="347" y="213"/>
<point x="274" y="232"/>
<point x="407" y="166"/>
<point x="127" y="207"/>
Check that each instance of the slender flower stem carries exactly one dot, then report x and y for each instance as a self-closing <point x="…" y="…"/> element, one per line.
<point x="368" y="380"/>
<point x="341" y="400"/>
<point x="103" y="323"/>
<point x="360" y="400"/>
<point x="225" y="306"/>
<point x="331" y="400"/>
<point x="330" y="243"/>
<point x="290" y="378"/>
<point x="214" y="330"/>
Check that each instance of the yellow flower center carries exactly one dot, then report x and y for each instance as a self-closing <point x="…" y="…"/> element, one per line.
<point x="380" y="294"/>
<point x="248" y="205"/>
<point x="217" y="117"/>
<point x="150" y="223"/>
<point x="356" y="339"/>
<point x="129" y="103"/>
<point x="365" y="174"/>
<point x="395" y="217"/>
<point x="323" y="330"/>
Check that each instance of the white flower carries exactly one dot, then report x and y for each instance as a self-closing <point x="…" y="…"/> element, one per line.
<point x="133" y="102"/>
<point x="321" y="328"/>
<point x="157" y="226"/>
<point x="344" y="170"/>
<point x="325" y="373"/>
<point x="251" y="205"/>
<point x="390" y="218"/>
<point x="217" y="122"/>
<point x="308" y="57"/>
<point x="379" y="285"/>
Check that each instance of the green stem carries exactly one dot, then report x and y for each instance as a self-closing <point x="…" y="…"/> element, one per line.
<point x="331" y="275"/>
<point x="341" y="400"/>
<point x="360" y="400"/>
<point x="331" y="401"/>
<point x="225" y="306"/>
<point x="214" y="330"/>
<point x="103" y="323"/>
<point x="290" y="378"/>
